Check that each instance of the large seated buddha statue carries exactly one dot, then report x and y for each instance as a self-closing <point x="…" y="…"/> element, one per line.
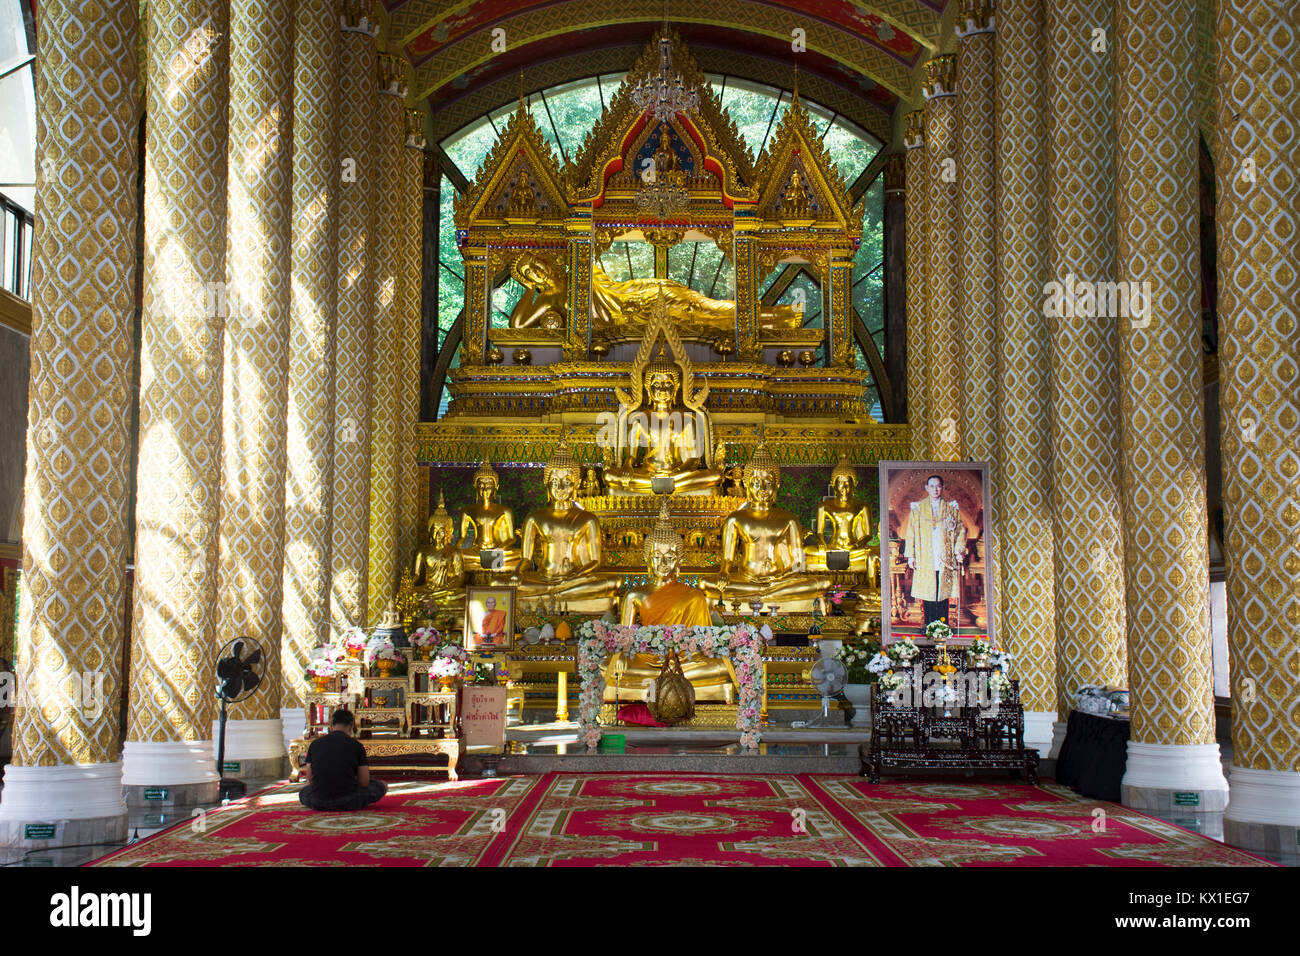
<point x="762" y="545"/>
<point x="664" y="439"/>
<point x="487" y="525"/>
<point x="439" y="571"/>
<point x="666" y="600"/>
<point x="850" y="523"/>
<point x="561" y="546"/>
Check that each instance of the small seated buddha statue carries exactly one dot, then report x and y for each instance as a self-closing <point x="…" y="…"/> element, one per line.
<point x="664" y="439"/>
<point x="667" y="600"/>
<point x="487" y="525"/>
<point x="562" y="543"/>
<point x="762" y="545"/>
<point x="439" y="570"/>
<point x="849" y="520"/>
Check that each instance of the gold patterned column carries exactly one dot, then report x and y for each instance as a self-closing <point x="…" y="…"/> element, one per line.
<point x="943" y="285"/>
<point x="742" y="249"/>
<point x="578" y="229"/>
<point x="256" y="350"/>
<point x="1023" y="441"/>
<point x="1086" y="512"/>
<point x="1259" y="379"/>
<point x="75" y="505"/>
<point x="917" y="199"/>
<point x="975" y="180"/>
<point x="409" y="524"/>
<point x="1161" y="412"/>
<point x="385" y="342"/>
<point x="354" y="274"/>
<point x="311" y="344"/>
<point x="169" y="723"/>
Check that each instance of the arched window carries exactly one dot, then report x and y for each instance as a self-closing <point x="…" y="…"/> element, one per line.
<point x="566" y="113"/>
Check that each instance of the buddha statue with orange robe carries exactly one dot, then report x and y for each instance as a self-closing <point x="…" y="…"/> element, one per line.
<point x="668" y="601"/>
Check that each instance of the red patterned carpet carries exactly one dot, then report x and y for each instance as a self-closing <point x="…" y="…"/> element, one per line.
<point x="616" y="819"/>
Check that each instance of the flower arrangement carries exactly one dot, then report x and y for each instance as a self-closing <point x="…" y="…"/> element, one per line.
<point x="452" y="652"/>
<point x="902" y="651"/>
<point x="938" y="631"/>
<point x="484" y="672"/>
<point x="891" y="681"/>
<point x="322" y="667"/>
<point x="879" y="664"/>
<point x="979" y="648"/>
<point x="741" y="643"/>
<point x="999" y="684"/>
<point x="381" y="649"/>
<point x="425" y="637"/>
<point x="354" y="641"/>
<point x="446" y="667"/>
<point x="1001" y="660"/>
<point x="857" y="659"/>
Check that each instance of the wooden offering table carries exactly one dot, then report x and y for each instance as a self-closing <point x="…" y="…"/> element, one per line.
<point x="911" y="729"/>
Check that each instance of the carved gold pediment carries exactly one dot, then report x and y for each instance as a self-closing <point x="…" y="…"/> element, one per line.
<point x="519" y="183"/>
<point x="607" y="155"/>
<point x="798" y="183"/>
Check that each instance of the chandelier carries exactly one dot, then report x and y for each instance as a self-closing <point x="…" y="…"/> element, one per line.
<point x="662" y="198"/>
<point x="665" y="94"/>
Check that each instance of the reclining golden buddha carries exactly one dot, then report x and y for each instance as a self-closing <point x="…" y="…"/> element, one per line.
<point x="626" y="306"/>
<point x="664" y="601"/>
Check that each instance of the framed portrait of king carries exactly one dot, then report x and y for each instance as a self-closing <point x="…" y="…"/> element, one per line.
<point x="489" y="619"/>
<point x="936" y="555"/>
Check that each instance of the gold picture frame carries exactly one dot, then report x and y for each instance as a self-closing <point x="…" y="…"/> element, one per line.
<point x="481" y="604"/>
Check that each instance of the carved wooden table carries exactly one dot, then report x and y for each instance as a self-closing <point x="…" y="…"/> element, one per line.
<point x="911" y="732"/>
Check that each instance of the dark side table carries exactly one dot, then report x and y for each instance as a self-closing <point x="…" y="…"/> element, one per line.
<point x="1093" y="754"/>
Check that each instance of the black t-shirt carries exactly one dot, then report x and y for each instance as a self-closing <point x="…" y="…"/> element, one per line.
<point x="334" y="760"/>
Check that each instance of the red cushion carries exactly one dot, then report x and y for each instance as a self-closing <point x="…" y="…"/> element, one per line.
<point x="639" y="715"/>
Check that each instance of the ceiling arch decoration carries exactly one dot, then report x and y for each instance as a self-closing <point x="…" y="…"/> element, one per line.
<point x="857" y="98"/>
<point x="866" y="50"/>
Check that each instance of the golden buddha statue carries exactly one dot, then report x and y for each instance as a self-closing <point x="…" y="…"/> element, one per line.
<point x="762" y="545"/>
<point x="439" y="570"/>
<point x="849" y="520"/>
<point x="627" y="305"/>
<point x="590" y="485"/>
<point x="487" y="525"/>
<point x="665" y="439"/>
<point x="668" y="601"/>
<point x="562" y="543"/>
<point x="546" y="292"/>
<point x="795" y="201"/>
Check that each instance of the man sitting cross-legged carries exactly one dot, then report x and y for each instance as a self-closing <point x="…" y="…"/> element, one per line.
<point x="335" y="766"/>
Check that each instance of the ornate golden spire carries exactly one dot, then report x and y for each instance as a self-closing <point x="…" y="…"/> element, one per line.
<point x="442" y="517"/>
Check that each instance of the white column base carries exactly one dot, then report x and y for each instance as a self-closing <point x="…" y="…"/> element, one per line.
<point x="1264" y="796"/>
<point x="1174" y="778"/>
<point x="252" y="739"/>
<point x="83" y="802"/>
<point x="295" y="723"/>
<point x="1038" y="731"/>
<point x="1264" y="813"/>
<point x="171" y="762"/>
<point x="1058" y="738"/>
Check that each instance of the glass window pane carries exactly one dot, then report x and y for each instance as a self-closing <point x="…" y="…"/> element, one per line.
<point x="575" y="109"/>
<point x="614" y="262"/>
<point x="850" y="148"/>
<point x="17" y="110"/>
<point x="504" y="298"/>
<point x="750" y="105"/>
<point x="451" y="287"/>
<point x="706" y="266"/>
<point x="804" y="293"/>
<point x="469" y="147"/>
<point x="643" y="259"/>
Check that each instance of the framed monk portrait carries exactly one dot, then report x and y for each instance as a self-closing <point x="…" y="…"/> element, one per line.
<point x="489" y="619"/>
<point x="935" y="554"/>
